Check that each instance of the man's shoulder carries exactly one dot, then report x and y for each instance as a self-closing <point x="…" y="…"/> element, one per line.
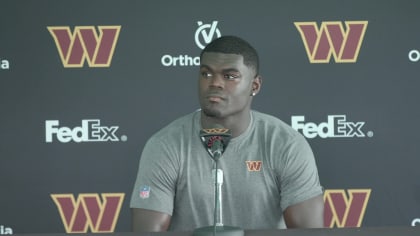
<point x="177" y="127"/>
<point x="271" y="122"/>
<point x="269" y="126"/>
<point x="265" y="117"/>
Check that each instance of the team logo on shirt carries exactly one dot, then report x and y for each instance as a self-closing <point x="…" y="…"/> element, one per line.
<point x="216" y="131"/>
<point x="145" y="192"/>
<point x="254" y="165"/>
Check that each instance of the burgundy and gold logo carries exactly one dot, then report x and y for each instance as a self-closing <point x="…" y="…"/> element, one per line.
<point x="342" y="211"/>
<point x="89" y="211"/>
<point x="253" y="165"/>
<point x="216" y="131"/>
<point x="331" y="38"/>
<point x="85" y="44"/>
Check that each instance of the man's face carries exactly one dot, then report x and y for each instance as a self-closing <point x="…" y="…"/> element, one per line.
<point x="225" y="85"/>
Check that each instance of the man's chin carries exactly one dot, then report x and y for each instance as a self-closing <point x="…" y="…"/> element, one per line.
<point x="212" y="113"/>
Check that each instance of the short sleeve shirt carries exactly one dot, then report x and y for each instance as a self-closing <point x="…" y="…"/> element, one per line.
<point x="266" y="169"/>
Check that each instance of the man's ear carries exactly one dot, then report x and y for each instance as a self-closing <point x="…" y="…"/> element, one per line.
<point x="256" y="85"/>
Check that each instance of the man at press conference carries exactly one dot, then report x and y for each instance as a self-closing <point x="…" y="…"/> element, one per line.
<point x="270" y="178"/>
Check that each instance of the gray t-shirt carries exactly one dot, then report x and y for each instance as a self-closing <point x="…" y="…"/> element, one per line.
<point x="266" y="169"/>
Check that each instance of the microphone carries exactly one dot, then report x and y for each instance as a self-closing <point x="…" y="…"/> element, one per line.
<point x="215" y="141"/>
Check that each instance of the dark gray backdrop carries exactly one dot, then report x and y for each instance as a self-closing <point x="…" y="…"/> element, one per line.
<point x="140" y="95"/>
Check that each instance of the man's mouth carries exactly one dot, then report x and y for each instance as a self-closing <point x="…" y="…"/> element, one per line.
<point x="215" y="97"/>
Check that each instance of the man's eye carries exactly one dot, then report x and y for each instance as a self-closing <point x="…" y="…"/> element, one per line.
<point x="206" y="74"/>
<point x="231" y="76"/>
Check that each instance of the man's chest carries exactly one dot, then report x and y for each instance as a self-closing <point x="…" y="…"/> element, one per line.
<point x="247" y="174"/>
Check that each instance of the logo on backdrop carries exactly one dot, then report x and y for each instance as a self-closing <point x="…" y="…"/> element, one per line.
<point x="414" y="55"/>
<point x="342" y="211"/>
<point x="4" y="64"/>
<point x="332" y="39"/>
<point x="89" y="211"/>
<point x="89" y="131"/>
<point x="336" y="126"/>
<point x="204" y="34"/>
<point x="4" y="230"/>
<point x="415" y="222"/>
<point x="85" y="44"/>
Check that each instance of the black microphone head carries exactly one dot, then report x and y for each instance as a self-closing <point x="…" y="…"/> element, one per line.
<point x="215" y="140"/>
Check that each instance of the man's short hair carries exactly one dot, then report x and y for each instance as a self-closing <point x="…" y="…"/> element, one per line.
<point x="234" y="45"/>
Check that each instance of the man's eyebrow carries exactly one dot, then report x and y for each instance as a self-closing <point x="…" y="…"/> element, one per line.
<point x="230" y="70"/>
<point x="203" y="66"/>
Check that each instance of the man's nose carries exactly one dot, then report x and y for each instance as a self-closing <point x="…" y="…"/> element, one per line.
<point x="217" y="81"/>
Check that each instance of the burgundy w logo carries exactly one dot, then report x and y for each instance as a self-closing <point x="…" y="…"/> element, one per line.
<point x="332" y="39"/>
<point x="89" y="211"/>
<point x="85" y="44"/>
<point x="253" y="165"/>
<point x="343" y="211"/>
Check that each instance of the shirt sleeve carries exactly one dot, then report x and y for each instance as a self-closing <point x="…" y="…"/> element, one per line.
<point x="154" y="188"/>
<point x="299" y="180"/>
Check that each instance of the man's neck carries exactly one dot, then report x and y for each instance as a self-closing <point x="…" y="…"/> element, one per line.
<point x="236" y="124"/>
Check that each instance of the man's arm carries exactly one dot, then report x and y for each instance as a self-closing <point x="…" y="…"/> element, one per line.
<point x="307" y="214"/>
<point x="149" y="221"/>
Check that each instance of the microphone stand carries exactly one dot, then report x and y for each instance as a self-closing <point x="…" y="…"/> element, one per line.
<point x="218" y="228"/>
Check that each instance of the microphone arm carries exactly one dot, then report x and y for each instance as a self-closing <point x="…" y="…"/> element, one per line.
<point x="215" y="141"/>
<point x="218" y="206"/>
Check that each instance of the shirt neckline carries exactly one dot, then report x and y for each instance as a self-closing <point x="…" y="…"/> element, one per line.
<point x="238" y="139"/>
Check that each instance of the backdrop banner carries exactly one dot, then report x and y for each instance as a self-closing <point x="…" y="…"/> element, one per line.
<point x="84" y="84"/>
